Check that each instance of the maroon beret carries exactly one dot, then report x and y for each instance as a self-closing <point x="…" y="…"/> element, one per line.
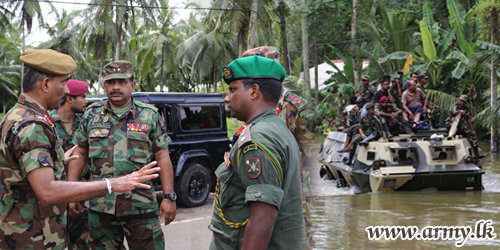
<point x="383" y="98"/>
<point x="76" y="87"/>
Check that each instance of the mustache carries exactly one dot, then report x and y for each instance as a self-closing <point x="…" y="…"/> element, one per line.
<point x="115" y="92"/>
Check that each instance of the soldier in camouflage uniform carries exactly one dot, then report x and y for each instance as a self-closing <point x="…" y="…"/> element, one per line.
<point x="366" y="90"/>
<point x="389" y="114"/>
<point x="119" y="135"/>
<point x="465" y="127"/>
<point x="433" y="111"/>
<point x="33" y="207"/>
<point x="354" y="117"/>
<point x="66" y="120"/>
<point x="297" y="115"/>
<point x="368" y="126"/>
<point x="258" y="201"/>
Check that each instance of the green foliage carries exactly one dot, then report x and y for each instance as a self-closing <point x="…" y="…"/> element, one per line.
<point x="231" y="129"/>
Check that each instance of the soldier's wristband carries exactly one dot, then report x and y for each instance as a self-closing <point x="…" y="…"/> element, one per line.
<point x="110" y="190"/>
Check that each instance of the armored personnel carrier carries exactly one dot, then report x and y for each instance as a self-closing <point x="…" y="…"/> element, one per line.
<point x="428" y="159"/>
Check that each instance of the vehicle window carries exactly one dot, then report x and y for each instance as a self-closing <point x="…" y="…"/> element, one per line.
<point x="442" y="153"/>
<point x="166" y="113"/>
<point x="200" y="118"/>
<point x="404" y="156"/>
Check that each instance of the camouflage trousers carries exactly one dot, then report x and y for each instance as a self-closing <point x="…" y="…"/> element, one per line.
<point x="78" y="231"/>
<point x="358" y="138"/>
<point x="388" y="121"/>
<point x="143" y="231"/>
<point x="465" y="131"/>
<point x="433" y="113"/>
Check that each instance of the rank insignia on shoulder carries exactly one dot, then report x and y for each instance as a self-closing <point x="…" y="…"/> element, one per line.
<point x="249" y="147"/>
<point x="253" y="167"/>
<point x="48" y="119"/>
<point x="226" y="159"/>
<point x="137" y="127"/>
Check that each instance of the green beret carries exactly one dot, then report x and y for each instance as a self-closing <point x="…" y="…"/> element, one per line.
<point x="369" y="105"/>
<point x="253" y="67"/>
<point x="118" y="70"/>
<point x="49" y="61"/>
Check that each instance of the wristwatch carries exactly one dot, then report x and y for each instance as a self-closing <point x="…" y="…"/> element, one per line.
<point x="171" y="196"/>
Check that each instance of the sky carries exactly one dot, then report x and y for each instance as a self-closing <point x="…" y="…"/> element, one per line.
<point x="38" y="36"/>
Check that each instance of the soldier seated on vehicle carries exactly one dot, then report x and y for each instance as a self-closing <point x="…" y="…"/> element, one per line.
<point x="433" y="111"/>
<point x="390" y="115"/>
<point x="346" y="111"/>
<point x="353" y="121"/>
<point x="465" y="127"/>
<point x="414" y="103"/>
<point x="368" y="130"/>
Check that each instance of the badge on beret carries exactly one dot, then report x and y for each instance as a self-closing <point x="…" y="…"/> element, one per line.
<point x="228" y="73"/>
<point x="253" y="167"/>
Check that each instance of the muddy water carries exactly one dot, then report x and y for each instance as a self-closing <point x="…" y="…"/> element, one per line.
<point x="340" y="216"/>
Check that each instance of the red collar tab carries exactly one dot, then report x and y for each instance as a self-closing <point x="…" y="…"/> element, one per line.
<point x="278" y="111"/>
<point x="238" y="132"/>
<point x="48" y="119"/>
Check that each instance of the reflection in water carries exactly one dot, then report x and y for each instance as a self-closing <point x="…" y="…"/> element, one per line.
<point x="341" y="217"/>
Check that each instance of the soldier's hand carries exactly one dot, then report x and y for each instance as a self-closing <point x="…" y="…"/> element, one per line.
<point x="425" y="110"/>
<point x="132" y="181"/>
<point x="68" y="157"/>
<point x="168" y="208"/>
<point x="364" y="136"/>
<point x="412" y="116"/>
<point x="75" y="208"/>
<point x="474" y="133"/>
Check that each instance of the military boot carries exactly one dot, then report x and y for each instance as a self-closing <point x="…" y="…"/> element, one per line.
<point x="476" y="151"/>
<point x="367" y="140"/>
<point x="351" y="155"/>
<point x="387" y="132"/>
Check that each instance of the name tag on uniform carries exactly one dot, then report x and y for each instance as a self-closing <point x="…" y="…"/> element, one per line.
<point x="99" y="126"/>
<point x="59" y="143"/>
<point x="137" y="127"/>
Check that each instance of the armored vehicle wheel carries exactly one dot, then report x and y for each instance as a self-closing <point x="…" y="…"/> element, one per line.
<point x="325" y="173"/>
<point x="340" y="183"/>
<point x="193" y="185"/>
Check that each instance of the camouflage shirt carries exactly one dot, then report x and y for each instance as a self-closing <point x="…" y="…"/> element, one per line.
<point x="454" y="108"/>
<point x="367" y="92"/>
<point x="24" y="222"/>
<point x="66" y="138"/>
<point x="389" y="108"/>
<point x="368" y="124"/>
<point x="354" y="115"/>
<point x="297" y="116"/>
<point x="118" y="146"/>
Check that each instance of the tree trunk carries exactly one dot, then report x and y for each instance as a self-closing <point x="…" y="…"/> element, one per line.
<point x="305" y="48"/>
<point x="353" y="36"/>
<point x="316" y="80"/>
<point x="22" y="64"/>
<point x="284" y="40"/>
<point x="494" y="40"/>
<point x="252" y="30"/>
<point x="374" y="7"/>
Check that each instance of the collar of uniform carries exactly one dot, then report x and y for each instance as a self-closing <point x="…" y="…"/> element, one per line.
<point x="266" y="114"/>
<point x="54" y="115"/>
<point x="30" y="102"/>
<point x="132" y="111"/>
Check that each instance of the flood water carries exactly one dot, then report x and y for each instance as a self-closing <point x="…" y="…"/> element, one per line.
<point x="340" y="216"/>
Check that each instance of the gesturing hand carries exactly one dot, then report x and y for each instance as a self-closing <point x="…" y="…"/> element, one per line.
<point x="68" y="157"/>
<point x="134" y="180"/>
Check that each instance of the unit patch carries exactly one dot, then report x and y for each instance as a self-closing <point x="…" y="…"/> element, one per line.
<point x="253" y="167"/>
<point x="228" y="73"/>
<point x="249" y="147"/>
<point x="137" y="127"/>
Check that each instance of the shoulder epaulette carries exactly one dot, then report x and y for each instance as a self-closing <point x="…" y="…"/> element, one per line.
<point x="97" y="104"/>
<point x="245" y="137"/>
<point x="145" y="105"/>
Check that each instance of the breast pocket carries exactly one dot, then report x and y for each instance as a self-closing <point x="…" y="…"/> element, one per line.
<point x="98" y="143"/>
<point x="138" y="146"/>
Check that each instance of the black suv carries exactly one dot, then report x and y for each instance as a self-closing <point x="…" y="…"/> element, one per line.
<point x="196" y="123"/>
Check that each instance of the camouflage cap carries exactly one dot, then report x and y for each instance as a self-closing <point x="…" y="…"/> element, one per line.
<point x="365" y="78"/>
<point x="49" y="61"/>
<point x="118" y="70"/>
<point x="264" y="51"/>
<point x="253" y="67"/>
<point x="463" y="98"/>
<point x="370" y="105"/>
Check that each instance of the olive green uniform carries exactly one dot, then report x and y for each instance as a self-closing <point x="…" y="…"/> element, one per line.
<point x="118" y="146"/>
<point x="367" y="92"/>
<point x="77" y="225"/>
<point x="463" y="127"/>
<point x="24" y="222"/>
<point x="249" y="174"/>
